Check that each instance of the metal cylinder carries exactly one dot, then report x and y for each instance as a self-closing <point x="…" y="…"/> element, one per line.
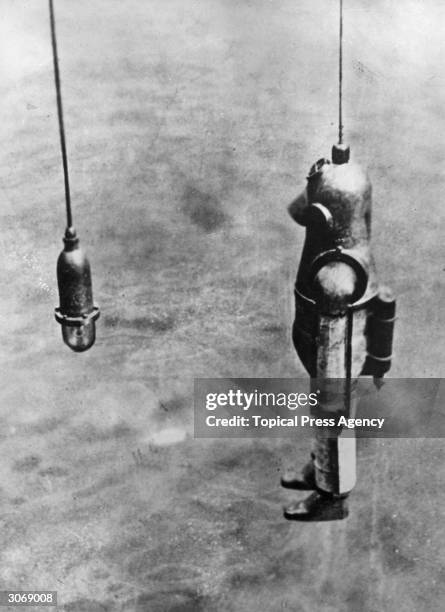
<point x="380" y="331"/>
<point x="76" y="312"/>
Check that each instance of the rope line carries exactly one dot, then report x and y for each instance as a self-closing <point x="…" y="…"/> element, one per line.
<point x="69" y="216"/>
<point x="340" y="77"/>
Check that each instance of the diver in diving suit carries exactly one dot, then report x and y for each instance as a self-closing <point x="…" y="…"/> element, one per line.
<point x="343" y="324"/>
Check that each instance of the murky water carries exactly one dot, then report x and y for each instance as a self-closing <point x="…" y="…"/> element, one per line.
<point x="190" y="127"/>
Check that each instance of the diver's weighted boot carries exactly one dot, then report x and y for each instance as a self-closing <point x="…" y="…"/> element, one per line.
<point x="318" y="507"/>
<point x="305" y="482"/>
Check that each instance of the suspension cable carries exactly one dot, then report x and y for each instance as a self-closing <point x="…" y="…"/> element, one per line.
<point x="69" y="216"/>
<point x="340" y="76"/>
